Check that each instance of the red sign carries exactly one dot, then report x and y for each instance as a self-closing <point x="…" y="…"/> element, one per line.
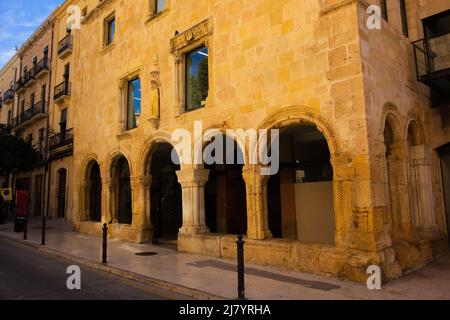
<point x="22" y="203"/>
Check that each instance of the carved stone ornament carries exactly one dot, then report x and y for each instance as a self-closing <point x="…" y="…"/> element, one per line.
<point x="190" y="36"/>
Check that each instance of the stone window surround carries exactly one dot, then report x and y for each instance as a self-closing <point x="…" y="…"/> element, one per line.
<point x="181" y="44"/>
<point x="111" y="16"/>
<point x="152" y="15"/>
<point x="122" y="103"/>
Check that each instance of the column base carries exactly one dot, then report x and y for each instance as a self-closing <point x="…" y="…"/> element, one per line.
<point x="189" y="230"/>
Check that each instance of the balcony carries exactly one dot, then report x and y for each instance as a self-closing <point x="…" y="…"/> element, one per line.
<point x="61" y="145"/>
<point x="31" y="115"/>
<point x="8" y="96"/>
<point x="62" y="91"/>
<point x="432" y="59"/>
<point x="42" y="68"/>
<point x="65" y="46"/>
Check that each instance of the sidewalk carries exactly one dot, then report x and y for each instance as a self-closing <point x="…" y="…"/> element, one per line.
<point x="204" y="277"/>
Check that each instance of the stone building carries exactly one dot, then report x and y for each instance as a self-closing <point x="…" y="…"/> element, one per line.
<point x="362" y="115"/>
<point x="8" y="76"/>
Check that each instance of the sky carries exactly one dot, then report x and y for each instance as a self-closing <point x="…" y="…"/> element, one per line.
<point x="18" y="20"/>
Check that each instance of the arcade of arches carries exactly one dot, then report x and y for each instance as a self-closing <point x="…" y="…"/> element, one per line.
<point x="304" y="215"/>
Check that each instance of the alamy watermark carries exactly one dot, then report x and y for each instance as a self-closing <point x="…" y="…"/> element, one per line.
<point x="215" y="147"/>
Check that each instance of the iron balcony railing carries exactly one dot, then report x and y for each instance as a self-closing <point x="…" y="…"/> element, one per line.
<point x="65" y="45"/>
<point x="38" y="108"/>
<point x="42" y="65"/>
<point x="432" y="57"/>
<point x="61" y="140"/>
<point x="8" y="95"/>
<point x="62" y="90"/>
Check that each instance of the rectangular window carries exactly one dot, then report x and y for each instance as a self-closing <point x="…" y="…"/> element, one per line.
<point x="159" y="6"/>
<point x="32" y="99"/>
<point x="63" y="122"/>
<point x="134" y="103"/>
<point x="9" y="117"/>
<point x="197" y="80"/>
<point x="110" y="30"/>
<point x="384" y="12"/>
<point x="41" y="137"/>
<point x="22" y="106"/>
<point x="43" y="91"/>
<point x="404" y="16"/>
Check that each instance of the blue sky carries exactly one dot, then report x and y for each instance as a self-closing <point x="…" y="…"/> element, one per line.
<point x="18" y="20"/>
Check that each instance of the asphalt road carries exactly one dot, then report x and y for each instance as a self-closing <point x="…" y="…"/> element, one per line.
<point x="28" y="274"/>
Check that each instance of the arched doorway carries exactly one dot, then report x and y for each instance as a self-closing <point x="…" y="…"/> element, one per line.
<point x="62" y="192"/>
<point x="300" y="195"/>
<point x="165" y="199"/>
<point x="95" y="193"/>
<point x="225" y="195"/>
<point x="122" y="191"/>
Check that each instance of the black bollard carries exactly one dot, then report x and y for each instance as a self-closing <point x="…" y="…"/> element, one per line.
<point x="43" y="229"/>
<point x="105" y="242"/>
<point x="25" y="228"/>
<point x="240" y="267"/>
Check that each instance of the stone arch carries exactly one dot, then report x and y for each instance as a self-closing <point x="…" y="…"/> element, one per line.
<point x="119" y="171"/>
<point x="84" y="166"/>
<point x="200" y="145"/>
<point x="415" y="134"/>
<point x="304" y="115"/>
<point x="397" y="221"/>
<point x="284" y="183"/>
<point x="147" y="150"/>
<point x="110" y="160"/>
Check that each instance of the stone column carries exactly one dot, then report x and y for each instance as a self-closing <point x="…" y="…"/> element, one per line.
<point x="398" y="190"/>
<point x="82" y="201"/>
<point x="421" y="193"/>
<point x="193" y="192"/>
<point x="140" y="193"/>
<point x="257" y="212"/>
<point x="107" y="190"/>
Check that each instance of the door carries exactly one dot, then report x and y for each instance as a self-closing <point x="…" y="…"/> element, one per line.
<point x="38" y="193"/>
<point x="62" y="179"/>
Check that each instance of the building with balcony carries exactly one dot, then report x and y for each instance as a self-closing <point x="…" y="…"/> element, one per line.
<point x="362" y="113"/>
<point x="32" y="108"/>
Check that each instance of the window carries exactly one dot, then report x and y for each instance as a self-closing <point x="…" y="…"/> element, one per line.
<point x="404" y="17"/>
<point x="41" y="137"/>
<point x="196" y="81"/>
<point x="43" y="90"/>
<point x="45" y="52"/>
<point x="133" y="103"/>
<point x="22" y="106"/>
<point x="63" y="122"/>
<point x="9" y="117"/>
<point x="384" y="12"/>
<point x="110" y="30"/>
<point x="34" y="60"/>
<point x="32" y="97"/>
<point x="159" y="6"/>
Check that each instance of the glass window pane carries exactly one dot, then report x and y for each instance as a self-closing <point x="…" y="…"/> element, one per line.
<point x="111" y="30"/>
<point x="197" y="82"/>
<point x="134" y="103"/>
<point x="160" y="4"/>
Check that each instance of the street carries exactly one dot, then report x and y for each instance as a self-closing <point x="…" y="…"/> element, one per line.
<point x="27" y="274"/>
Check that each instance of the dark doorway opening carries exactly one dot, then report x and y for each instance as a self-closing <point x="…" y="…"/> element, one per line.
<point x="300" y="195"/>
<point x="166" y="197"/>
<point x="123" y="187"/>
<point x="95" y="193"/>
<point x="62" y="192"/>
<point x="225" y="193"/>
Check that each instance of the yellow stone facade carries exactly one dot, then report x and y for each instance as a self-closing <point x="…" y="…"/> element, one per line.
<point x="272" y="65"/>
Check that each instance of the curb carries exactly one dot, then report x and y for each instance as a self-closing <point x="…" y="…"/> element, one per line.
<point x="129" y="275"/>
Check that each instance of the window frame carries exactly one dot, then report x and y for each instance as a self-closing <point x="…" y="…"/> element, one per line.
<point x="128" y="106"/>
<point x="107" y="41"/>
<point x="186" y="82"/>
<point x="404" y="18"/>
